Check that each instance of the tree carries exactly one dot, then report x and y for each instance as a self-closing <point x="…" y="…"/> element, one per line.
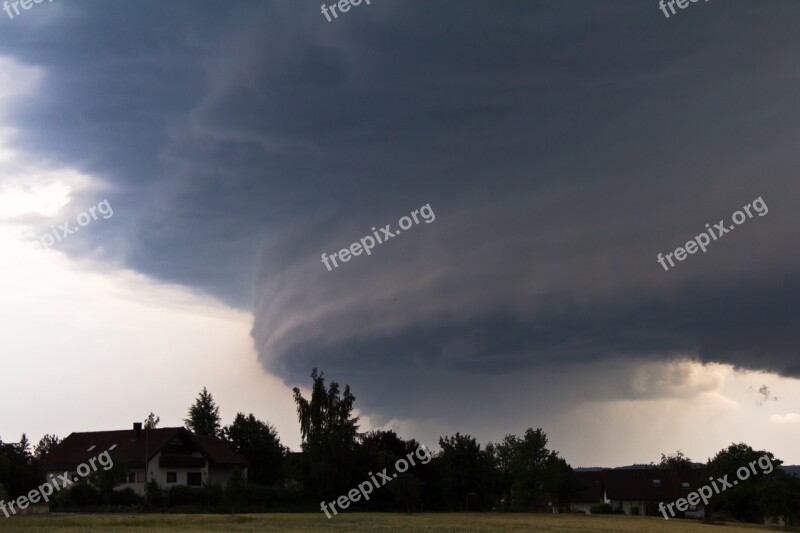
<point x="467" y="473"/>
<point x="742" y="501"/>
<point x="406" y="491"/>
<point x="25" y="446"/>
<point x="780" y="497"/>
<point x="204" y="415"/>
<point x="531" y="475"/>
<point x="675" y="461"/>
<point x="329" y="433"/>
<point x="380" y="449"/>
<point x="152" y="421"/>
<point x="107" y="480"/>
<point x="560" y="480"/>
<point x="524" y="461"/>
<point x="258" y="442"/>
<point x="19" y="472"/>
<point x="46" y="445"/>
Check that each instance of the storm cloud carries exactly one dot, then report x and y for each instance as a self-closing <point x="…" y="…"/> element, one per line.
<point x="562" y="146"/>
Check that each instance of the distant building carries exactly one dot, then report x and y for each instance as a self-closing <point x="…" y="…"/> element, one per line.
<point x="174" y="457"/>
<point x="637" y="491"/>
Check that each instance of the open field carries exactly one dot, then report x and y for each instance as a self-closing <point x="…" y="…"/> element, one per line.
<point x="365" y="522"/>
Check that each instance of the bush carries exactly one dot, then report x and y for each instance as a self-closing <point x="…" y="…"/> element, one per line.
<point x="180" y="495"/>
<point x="619" y="510"/>
<point x="271" y="498"/>
<point x="635" y="511"/>
<point x="202" y="498"/>
<point x="601" y="508"/>
<point x="125" y="497"/>
<point x="80" y="495"/>
<point x="154" y="494"/>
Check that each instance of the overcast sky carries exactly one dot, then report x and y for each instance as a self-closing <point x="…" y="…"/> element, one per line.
<point x="560" y="145"/>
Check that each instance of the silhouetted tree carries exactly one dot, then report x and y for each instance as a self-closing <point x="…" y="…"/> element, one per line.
<point x="467" y="473"/>
<point x="152" y="421"/>
<point x="675" y="461"/>
<point x="779" y="497"/>
<point x="258" y="442"/>
<point x="742" y="501"/>
<point x="19" y="471"/>
<point x="381" y="449"/>
<point x="204" y="415"/>
<point x="329" y="433"/>
<point x="46" y="445"/>
<point x="25" y="446"/>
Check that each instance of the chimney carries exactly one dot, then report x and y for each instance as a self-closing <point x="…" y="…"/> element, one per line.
<point x="137" y="429"/>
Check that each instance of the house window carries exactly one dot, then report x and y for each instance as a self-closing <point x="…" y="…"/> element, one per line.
<point x="656" y="482"/>
<point x="172" y="477"/>
<point x="194" y="479"/>
<point x="130" y="477"/>
<point x="685" y="485"/>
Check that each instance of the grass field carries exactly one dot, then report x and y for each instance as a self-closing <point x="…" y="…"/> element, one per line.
<point x="383" y="522"/>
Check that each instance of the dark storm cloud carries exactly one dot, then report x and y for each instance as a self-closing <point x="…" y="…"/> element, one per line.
<point x="562" y="145"/>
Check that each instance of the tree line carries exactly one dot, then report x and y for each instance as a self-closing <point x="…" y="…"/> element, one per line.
<point x="519" y="473"/>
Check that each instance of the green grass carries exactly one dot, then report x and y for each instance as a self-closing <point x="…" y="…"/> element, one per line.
<point x="473" y="522"/>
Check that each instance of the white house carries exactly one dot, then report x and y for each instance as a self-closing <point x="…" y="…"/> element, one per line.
<point x="173" y="456"/>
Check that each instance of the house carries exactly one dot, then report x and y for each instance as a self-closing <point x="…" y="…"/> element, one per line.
<point x="174" y="457"/>
<point x="636" y="490"/>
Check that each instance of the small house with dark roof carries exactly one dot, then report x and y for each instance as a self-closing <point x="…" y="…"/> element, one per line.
<point x="636" y="490"/>
<point x="169" y="456"/>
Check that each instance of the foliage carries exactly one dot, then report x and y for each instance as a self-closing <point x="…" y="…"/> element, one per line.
<point x="601" y="508"/>
<point x="381" y="449"/>
<point x="258" y="442"/>
<point x="235" y="490"/>
<point x="406" y="491"/>
<point x="329" y="433"/>
<point x="79" y="495"/>
<point x="779" y="496"/>
<point x="19" y="471"/>
<point x="126" y="497"/>
<point x="107" y="480"/>
<point x="152" y="421"/>
<point x="204" y="498"/>
<point x="46" y="445"/>
<point x="675" y="461"/>
<point x="467" y="473"/>
<point x="530" y="474"/>
<point x="154" y="495"/>
<point x="25" y="446"/>
<point x="742" y="501"/>
<point x="204" y="416"/>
